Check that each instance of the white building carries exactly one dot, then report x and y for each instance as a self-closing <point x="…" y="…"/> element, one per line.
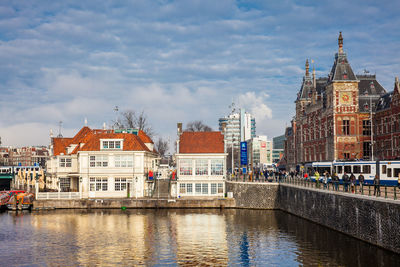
<point x="103" y="163"/>
<point x="259" y="151"/>
<point x="240" y="127"/>
<point x="200" y="164"/>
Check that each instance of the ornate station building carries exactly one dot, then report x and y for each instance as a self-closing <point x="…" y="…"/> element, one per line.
<point x="333" y="115"/>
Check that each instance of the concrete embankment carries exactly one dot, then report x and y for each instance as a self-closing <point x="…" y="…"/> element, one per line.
<point x="132" y="203"/>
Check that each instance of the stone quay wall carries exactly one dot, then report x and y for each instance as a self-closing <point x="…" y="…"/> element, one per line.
<point x="130" y="203"/>
<point x="374" y="220"/>
<point x="254" y="195"/>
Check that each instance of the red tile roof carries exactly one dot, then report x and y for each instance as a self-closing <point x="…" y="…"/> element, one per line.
<point x="91" y="141"/>
<point x="131" y="142"/>
<point x="201" y="142"/>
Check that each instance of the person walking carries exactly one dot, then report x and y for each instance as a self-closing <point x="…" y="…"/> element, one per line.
<point x="377" y="189"/>
<point x="326" y="179"/>
<point x="345" y="179"/>
<point x="335" y="179"/>
<point x="316" y="179"/>
<point x="352" y="182"/>
<point x="361" y="182"/>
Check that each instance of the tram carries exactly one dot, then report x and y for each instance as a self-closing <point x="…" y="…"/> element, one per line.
<point x="388" y="171"/>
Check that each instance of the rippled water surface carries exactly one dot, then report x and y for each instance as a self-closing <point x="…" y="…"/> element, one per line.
<point x="178" y="237"/>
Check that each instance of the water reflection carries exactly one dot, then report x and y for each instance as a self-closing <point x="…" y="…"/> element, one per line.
<point x="178" y="237"/>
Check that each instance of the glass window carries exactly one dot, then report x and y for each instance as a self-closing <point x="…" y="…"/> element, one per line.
<point x="347" y="169"/>
<point x="185" y="167"/>
<point x="356" y="169"/>
<point x="189" y="188"/>
<point x="339" y="169"/>
<point x="117" y="144"/>
<point x="220" y="188"/>
<point x="120" y="184"/>
<point x="383" y="169"/>
<point x="123" y="161"/>
<point x="389" y="172"/>
<point x="396" y="172"/>
<point x="198" y="188"/>
<point x="204" y="188"/>
<point x="111" y="144"/>
<point x="366" y="169"/>
<point x="346" y="127"/>
<point x="98" y="161"/>
<point x="201" y="166"/>
<point x="98" y="184"/>
<point x="105" y="144"/>
<point x="213" y="189"/>
<point x="217" y="167"/>
<point x="366" y="127"/>
<point x="182" y="188"/>
<point x="65" y="184"/>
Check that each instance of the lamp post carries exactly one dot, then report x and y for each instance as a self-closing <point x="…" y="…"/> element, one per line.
<point x="371" y="126"/>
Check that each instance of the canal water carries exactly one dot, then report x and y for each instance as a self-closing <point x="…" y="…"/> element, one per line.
<point x="178" y="237"/>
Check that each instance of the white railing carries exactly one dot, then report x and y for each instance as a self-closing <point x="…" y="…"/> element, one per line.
<point x="58" y="195"/>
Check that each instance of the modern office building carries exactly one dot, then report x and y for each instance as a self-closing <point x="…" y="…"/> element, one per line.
<point x="259" y="151"/>
<point x="240" y="127"/>
<point x="278" y="148"/>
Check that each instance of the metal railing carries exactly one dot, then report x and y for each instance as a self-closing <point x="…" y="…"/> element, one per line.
<point x="58" y="195"/>
<point x="383" y="191"/>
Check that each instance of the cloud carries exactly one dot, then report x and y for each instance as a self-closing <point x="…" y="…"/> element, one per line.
<point x="177" y="60"/>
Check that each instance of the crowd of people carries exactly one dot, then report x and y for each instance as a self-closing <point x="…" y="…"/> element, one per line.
<point x="349" y="180"/>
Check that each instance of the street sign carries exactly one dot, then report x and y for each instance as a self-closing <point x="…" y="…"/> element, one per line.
<point x="243" y="153"/>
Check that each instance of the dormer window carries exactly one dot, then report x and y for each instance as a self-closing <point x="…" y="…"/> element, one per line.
<point x="111" y="144"/>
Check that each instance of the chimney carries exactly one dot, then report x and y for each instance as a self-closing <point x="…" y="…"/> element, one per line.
<point x="104" y="126"/>
<point x="179" y="125"/>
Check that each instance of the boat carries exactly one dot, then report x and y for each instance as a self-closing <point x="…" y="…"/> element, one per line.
<point x="21" y="201"/>
<point x="5" y="197"/>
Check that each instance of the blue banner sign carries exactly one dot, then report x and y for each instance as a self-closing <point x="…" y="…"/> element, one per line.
<point x="243" y="153"/>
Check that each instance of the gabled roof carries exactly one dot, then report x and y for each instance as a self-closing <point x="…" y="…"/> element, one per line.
<point x="89" y="140"/>
<point x="201" y="142"/>
<point x="369" y="87"/>
<point x="131" y="142"/>
<point x="384" y="101"/>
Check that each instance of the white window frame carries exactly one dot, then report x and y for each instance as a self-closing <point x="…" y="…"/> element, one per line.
<point x="185" y="166"/>
<point x="201" y="168"/>
<point x="123" y="161"/>
<point x="65" y="162"/>
<point x="98" y="184"/>
<point x="217" y="167"/>
<point x="111" y="144"/>
<point x="120" y="184"/>
<point x="96" y="161"/>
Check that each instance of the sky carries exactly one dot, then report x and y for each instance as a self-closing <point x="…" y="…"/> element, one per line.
<point x="177" y="61"/>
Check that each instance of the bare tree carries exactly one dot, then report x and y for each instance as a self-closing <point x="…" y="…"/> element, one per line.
<point x="131" y="120"/>
<point x="128" y="118"/>
<point x="197" y="126"/>
<point x="162" y="146"/>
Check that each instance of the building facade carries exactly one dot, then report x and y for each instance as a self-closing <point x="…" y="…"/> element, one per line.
<point x="278" y="143"/>
<point x="240" y="127"/>
<point x="333" y="115"/>
<point x="201" y="164"/>
<point x="259" y="150"/>
<point x="103" y="163"/>
<point x="387" y="125"/>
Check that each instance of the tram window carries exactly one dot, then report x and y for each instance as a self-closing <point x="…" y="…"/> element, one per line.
<point x="339" y="169"/>
<point x="347" y="169"/>
<point x="383" y="169"/>
<point x="366" y="169"/>
<point x="389" y="172"/>
<point x="356" y="169"/>
<point x="396" y="172"/>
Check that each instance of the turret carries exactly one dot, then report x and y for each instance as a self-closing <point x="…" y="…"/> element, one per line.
<point x="340" y="42"/>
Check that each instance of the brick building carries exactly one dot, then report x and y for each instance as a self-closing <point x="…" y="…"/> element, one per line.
<point x="387" y="125"/>
<point x="332" y="120"/>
